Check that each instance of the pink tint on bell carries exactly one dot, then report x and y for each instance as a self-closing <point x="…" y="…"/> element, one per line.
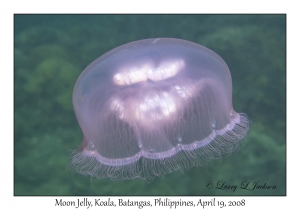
<point x="154" y="106"/>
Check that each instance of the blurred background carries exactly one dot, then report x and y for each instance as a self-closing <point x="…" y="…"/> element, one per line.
<point x="50" y="52"/>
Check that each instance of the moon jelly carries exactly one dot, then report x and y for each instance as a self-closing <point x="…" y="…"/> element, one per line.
<point x="154" y="106"/>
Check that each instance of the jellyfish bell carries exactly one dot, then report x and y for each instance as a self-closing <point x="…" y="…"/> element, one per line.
<point x="154" y="106"/>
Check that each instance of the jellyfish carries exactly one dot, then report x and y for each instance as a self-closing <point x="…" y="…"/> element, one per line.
<point x="154" y="106"/>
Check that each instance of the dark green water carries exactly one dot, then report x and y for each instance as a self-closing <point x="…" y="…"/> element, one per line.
<point x="52" y="50"/>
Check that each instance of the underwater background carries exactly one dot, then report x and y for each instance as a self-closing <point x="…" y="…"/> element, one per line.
<point x="50" y="52"/>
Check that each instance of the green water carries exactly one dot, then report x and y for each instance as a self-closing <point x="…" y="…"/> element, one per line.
<point x="50" y="51"/>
